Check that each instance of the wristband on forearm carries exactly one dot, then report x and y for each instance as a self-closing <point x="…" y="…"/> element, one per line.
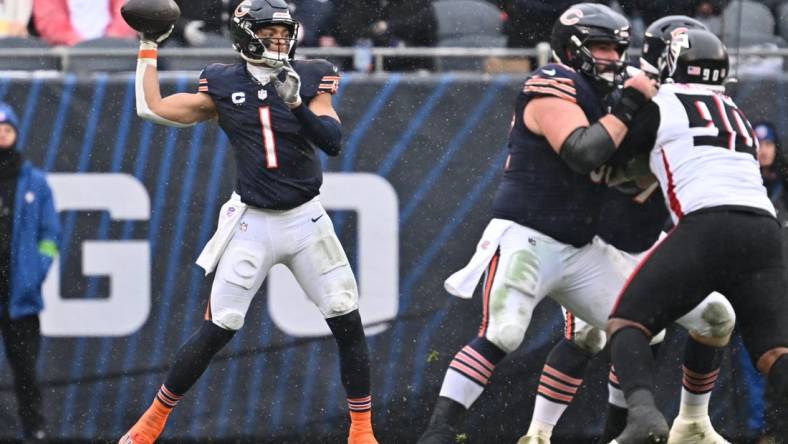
<point x="148" y="52"/>
<point x="147" y="57"/>
<point x="628" y="104"/>
<point x="323" y="131"/>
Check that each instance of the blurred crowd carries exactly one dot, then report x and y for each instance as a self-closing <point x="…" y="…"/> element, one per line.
<point x="382" y="23"/>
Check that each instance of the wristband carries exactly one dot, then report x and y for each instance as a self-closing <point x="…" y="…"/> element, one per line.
<point x="148" y="51"/>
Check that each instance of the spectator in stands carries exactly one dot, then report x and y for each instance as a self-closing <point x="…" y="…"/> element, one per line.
<point x="387" y="23"/>
<point x="315" y="18"/>
<point x="531" y="21"/>
<point x="14" y="17"/>
<point x="774" y="168"/>
<point x="641" y="13"/>
<point x="406" y="23"/>
<point x="202" y="19"/>
<point x="709" y="12"/>
<point x="353" y="18"/>
<point x="29" y="230"/>
<point x="68" y="22"/>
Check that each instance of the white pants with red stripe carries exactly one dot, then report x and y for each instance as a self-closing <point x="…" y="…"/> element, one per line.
<point x="303" y="240"/>
<point x="530" y="266"/>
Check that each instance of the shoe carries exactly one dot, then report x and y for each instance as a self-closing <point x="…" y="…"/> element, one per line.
<point x="361" y="429"/>
<point x="361" y="436"/>
<point x="698" y="430"/>
<point x="533" y="439"/>
<point x="439" y="434"/>
<point x="645" y="425"/>
<point x="148" y="427"/>
<point x="137" y="438"/>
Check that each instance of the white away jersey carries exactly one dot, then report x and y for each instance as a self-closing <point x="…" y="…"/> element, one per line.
<point x="705" y="152"/>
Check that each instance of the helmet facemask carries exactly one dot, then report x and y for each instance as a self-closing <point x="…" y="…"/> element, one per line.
<point x="606" y="72"/>
<point x="578" y="29"/>
<point x="258" y="48"/>
<point x="253" y="15"/>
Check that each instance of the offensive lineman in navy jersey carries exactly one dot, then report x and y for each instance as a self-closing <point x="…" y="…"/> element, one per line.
<point x="545" y="210"/>
<point x="275" y="115"/>
<point x="631" y="219"/>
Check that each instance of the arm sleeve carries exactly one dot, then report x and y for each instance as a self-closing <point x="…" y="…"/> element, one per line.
<point x="587" y="148"/>
<point x="53" y="23"/>
<point x="323" y="131"/>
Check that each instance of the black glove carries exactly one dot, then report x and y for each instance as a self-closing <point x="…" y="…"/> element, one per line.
<point x="628" y="104"/>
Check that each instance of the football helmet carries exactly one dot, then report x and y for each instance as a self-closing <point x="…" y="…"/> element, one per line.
<point x="250" y="16"/>
<point x="588" y="23"/>
<point x="697" y="56"/>
<point x="657" y="38"/>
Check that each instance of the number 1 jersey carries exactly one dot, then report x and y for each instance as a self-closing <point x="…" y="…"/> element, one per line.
<point x="277" y="166"/>
<point x="704" y="154"/>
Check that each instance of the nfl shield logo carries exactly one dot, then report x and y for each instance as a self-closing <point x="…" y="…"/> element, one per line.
<point x="262" y="94"/>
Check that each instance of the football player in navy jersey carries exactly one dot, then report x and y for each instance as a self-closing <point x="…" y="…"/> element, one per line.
<point x="276" y="112"/>
<point x="539" y="241"/>
<point x="632" y="217"/>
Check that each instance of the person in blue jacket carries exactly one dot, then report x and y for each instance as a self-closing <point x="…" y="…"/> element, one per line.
<point x="29" y="231"/>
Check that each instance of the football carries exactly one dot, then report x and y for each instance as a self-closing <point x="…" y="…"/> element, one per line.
<point x="150" y="16"/>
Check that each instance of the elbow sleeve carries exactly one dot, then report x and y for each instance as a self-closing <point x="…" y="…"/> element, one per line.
<point x="587" y="148"/>
<point x="323" y="131"/>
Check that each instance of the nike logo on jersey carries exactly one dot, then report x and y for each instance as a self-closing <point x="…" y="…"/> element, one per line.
<point x="316" y="219"/>
<point x="549" y="72"/>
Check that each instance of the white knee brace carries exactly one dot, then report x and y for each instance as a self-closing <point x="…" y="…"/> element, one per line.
<point x="590" y="339"/>
<point x="720" y="317"/>
<point x="228" y="319"/>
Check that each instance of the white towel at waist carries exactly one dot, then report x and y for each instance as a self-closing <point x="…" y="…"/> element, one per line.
<point x="229" y="218"/>
<point x="462" y="283"/>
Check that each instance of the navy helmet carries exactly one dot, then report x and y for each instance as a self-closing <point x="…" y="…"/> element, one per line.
<point x="250" y="16"/>
<point x="584" y="24"/>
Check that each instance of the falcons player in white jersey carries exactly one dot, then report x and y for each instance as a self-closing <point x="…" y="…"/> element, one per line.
<point x="726" y="238"/>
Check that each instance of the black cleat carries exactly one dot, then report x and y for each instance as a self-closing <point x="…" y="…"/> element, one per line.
<point x="439" y="433"/>
<point x="645" y="425"/>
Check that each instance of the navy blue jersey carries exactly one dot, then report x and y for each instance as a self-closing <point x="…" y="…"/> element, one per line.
<point x="538" y="190"/>
<point x="631" y="219"/>
<point x="277" y="166"/>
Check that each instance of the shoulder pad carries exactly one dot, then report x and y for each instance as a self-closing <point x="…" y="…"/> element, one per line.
<point x="317" y="76"/>
<point x="552" y="80"/>
<point x="210" y="72"/>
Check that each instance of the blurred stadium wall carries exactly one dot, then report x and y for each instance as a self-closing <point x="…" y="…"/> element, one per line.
<point x="127" y="292"/>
